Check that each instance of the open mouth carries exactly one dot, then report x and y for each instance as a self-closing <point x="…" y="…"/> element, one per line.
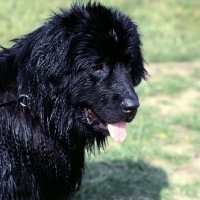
<point x="92" y="119"/>
<point x="116" y="130"/>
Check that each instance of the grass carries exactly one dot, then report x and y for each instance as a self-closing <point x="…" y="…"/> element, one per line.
<point x="169" y="29"/>
<point x="119" y="187"/>
<point x="160" y="158"/>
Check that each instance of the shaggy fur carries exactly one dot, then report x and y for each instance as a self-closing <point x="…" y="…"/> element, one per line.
<point x="78" y="71"/>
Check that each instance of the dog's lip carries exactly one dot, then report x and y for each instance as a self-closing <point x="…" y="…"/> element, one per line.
<point x="92" y="119"/>
<point x="116" y="130"/>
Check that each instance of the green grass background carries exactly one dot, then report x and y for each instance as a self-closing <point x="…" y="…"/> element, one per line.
<point x="169" y="28"/>
<point x="160" y="159"/>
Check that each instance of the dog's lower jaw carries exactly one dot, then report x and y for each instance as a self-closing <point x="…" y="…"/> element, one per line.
<point x="94" y="121"/>
<point x="116" y="130"/>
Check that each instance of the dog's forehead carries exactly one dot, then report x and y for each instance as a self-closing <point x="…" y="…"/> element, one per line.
<point x="114" y="41"/>
<point x="111" y="45"/>
<point x="100" y="34"/>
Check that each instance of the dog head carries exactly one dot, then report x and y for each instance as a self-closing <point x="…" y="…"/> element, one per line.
<point x="105" y="54"/>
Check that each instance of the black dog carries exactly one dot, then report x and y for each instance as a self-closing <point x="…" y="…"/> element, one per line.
<point x="63" y="88"/>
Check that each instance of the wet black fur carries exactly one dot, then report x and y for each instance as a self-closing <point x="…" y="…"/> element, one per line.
<point x="42" y="145"/>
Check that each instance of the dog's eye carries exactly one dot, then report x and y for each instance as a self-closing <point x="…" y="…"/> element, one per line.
<point x="98" y="67"/>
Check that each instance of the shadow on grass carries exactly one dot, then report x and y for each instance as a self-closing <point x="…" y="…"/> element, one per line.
<point x="122" y="180"/>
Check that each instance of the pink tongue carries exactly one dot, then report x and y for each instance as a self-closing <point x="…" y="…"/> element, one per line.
<point x="118" y="131"/>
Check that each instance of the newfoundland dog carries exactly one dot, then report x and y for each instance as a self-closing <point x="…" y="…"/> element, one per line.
<point x="65" y="88"/>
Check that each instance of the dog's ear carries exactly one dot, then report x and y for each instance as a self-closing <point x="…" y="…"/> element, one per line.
<point x="8" y="70"/>
<point x="139" y="73"/>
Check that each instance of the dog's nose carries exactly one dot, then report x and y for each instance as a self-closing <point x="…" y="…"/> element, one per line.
<point x="129" y="108"/>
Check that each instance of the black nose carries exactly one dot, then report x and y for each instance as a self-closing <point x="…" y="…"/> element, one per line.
<point x="129" y="108"/>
